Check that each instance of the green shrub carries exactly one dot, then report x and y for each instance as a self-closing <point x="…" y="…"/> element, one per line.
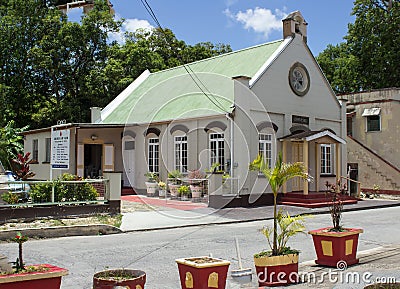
<point x="10" y="198"/>
<point x="63" y="192"/>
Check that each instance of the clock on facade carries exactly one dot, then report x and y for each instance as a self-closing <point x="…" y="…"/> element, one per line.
<point x="299" y="79"/>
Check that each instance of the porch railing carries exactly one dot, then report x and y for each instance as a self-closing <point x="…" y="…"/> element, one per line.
<point x="20" y="191"/>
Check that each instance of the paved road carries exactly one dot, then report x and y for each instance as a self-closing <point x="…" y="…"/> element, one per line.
<point x="155" y="251"/>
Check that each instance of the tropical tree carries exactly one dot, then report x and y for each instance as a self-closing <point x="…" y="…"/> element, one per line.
<point x="53" y="69"/>
<point x="369" y="58"/>
<point x="277" y="176"/>
<point x="10" y="143"/>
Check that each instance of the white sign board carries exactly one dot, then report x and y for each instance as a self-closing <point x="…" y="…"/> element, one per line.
<point x="60" y="149"/>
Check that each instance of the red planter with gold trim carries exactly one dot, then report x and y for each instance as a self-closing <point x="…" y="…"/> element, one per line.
<point x="202" y="272"/>
<point x="49" y="279"/>
<point x="334" y="247"/>
<point x="277" y="270"/>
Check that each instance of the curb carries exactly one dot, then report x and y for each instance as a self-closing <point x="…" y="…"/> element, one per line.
<point x="229" y="222"/>
<point x="95" y="230"/>
<point x="65" y="231"/>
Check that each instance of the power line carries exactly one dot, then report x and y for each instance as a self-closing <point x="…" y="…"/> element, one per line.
<point x="191" y="73"/>
<point x="151" y="12"/>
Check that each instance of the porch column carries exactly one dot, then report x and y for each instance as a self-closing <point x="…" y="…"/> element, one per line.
<point x="338" y="163"/>
<point x="284" y="158"/>
<point x="305" y="161"/>
<point x="317" y="165"/>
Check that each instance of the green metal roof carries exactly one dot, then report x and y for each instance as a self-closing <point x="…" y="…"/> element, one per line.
<point x="172" y="94"/>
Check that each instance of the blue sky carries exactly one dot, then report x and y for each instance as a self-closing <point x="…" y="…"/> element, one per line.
<point x="240" y="23"/>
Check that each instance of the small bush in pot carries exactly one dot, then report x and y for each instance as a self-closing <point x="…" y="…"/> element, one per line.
<point x="162" y="189"/>
<point x="32" y="276"/>
<point x="336" y="244"/>
<point x="174" y="182"/>
<point x="196" y="187"/>
<point x="151" y="183"/>
<point x="184" y="192"/>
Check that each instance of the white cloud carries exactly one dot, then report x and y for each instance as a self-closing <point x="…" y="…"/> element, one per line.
<point x="261" y="20"/>
<point x="129" y="25"/>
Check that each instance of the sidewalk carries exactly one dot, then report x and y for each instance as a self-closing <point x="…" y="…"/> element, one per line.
<point x="379" y="265"/>
<point x="173" y="214"/>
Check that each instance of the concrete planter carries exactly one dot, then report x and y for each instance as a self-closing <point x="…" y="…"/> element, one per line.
<point x="49" y="279"/>
<point x="119" y="277"/>
<point x="151" y="188"/>
<point x="196" y="191"/>
<point x="173" y="188"/>
<point x="277" y="270"/>
<point x="202" y="272"/>
<point x="162" y="193"/>
<point x="335" y="247"/>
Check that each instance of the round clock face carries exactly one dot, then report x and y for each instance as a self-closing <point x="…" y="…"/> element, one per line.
<point x="299" y="79"/>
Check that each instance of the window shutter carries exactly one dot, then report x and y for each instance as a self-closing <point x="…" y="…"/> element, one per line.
<point x="108" y="152"/>
<point x="80" y="161"/>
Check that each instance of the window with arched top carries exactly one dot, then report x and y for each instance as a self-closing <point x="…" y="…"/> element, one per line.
<point x="217" y="149"/>
<point x="267" y="142"/>
<point x="216" y="136"/>
<point x="181" y="153"/>
<point x="153" y="149"/>
<point x="153" y="146"/>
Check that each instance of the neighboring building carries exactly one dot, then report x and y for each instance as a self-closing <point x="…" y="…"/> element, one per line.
<point x="373" y="127"/>
<point x="226" y="109"/>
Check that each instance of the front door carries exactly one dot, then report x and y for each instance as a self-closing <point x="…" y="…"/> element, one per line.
<point x="92" y="155"/>
<point x="128" y="148"/>
<point x="297" y="156"/>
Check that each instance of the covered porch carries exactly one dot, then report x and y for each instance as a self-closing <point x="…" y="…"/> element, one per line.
<point x="321" y="152"/>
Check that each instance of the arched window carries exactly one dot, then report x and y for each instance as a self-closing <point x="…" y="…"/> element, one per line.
<point x="153" y="149"/>
<point x="267" y="141"/>
<point x="216" y="136"/>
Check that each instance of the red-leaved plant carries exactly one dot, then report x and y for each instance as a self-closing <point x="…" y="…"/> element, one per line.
<point x="21" y="166"/>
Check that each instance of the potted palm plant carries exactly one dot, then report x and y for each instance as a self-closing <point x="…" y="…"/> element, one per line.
<point x="336" y="246"/>
<point x="33" y="276"/>
<point x="279" y="265"/>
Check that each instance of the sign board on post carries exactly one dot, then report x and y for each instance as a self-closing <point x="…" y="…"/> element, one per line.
<point x="60" y="149"/>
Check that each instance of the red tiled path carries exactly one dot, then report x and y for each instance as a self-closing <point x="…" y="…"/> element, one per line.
<point x="174" y="204"/>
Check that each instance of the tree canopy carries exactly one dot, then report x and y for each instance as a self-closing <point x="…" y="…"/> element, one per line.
<point x="53" y="69"/>
<point x="369" y="57"/>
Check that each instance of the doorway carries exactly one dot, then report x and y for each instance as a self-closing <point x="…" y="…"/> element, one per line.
<point x="93" y="155"/>
<point x="297" y="156"/>
<point x="353" y="175"/>
<point x="128" y="149"/>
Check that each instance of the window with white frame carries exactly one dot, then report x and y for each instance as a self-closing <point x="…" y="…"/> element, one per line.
<point x="48" y="150"/>
<point x="265" y="147"/>
<point x="217" y="150"/>
<point x="326" y="159"/>
<point x="35" y="150"/>
<point x="181" y="153"/>
<point x="373" y="118"/>
<point x="153" y="157"/>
